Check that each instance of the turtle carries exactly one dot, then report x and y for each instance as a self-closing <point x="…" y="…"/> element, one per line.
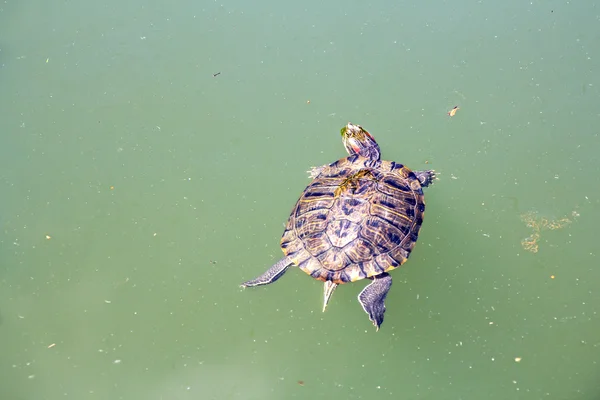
<point x="359" y="218"/>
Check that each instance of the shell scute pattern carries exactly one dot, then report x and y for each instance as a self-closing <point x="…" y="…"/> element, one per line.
<point x="368" y="228"/>
<point x="317" y="244"/>
<point x="333" y="260"/>
<point x="340" y="232"/>
<point x="352" y="208"/>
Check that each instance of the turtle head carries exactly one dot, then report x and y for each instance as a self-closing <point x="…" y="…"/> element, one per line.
<point x="358" y="141"/>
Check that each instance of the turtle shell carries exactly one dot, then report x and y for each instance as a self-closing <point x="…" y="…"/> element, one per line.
<point x="358" y="218"/>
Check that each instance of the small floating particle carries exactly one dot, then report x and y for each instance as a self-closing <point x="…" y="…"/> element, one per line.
<point x="47" y="60"/>
<point x="518" y="359"/>
<point x="52" y="345"/>
<point x="307" y="101"/>
<point x="216" y="74"/>
<point x="426" y="161"/>
<point x="48" y="237"/>
<point x="301" y="383"/>
<point x="552" y="276"/>
<point x="107" y="301"/>
<point x="453" y="111"/>
<point x="117" y="362"/>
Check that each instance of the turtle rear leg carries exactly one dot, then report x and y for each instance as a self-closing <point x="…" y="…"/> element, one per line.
<point x="373" y="296"/>
<point x="426" y="177"/>
<point x="271" y="275"/>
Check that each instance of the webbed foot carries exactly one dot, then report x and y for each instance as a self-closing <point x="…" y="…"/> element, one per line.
<point x="426" y="177"/>
<point x="271" y="275"/>
<point x="373" y="296"/>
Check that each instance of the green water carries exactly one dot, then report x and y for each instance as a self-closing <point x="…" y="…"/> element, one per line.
<point x="138" y="191"/>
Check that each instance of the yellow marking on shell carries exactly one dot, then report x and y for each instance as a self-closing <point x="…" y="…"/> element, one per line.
<point x="403" y="216"/>
<point x="404" y="260"/>
<point x="354" y="274"/>
<point x="415" y="185"/>
<point x="400" y="260"/>
<point x="352" y="181"/>
<point x="404" y="172"/>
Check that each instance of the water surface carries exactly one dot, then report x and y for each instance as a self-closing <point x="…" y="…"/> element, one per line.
<point x="139" y="190"/>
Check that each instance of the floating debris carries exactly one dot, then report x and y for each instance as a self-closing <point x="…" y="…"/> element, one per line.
<point x="538" y="224"/>
<point x="530" y="243"/>
<point x="452" y="112"/>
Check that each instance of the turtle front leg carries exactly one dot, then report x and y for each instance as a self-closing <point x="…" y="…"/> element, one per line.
<point x="313" y="172"/>
<point x="271" y="275"/>
<point x="426" y="177"/>
<point x="373" y="296"/>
